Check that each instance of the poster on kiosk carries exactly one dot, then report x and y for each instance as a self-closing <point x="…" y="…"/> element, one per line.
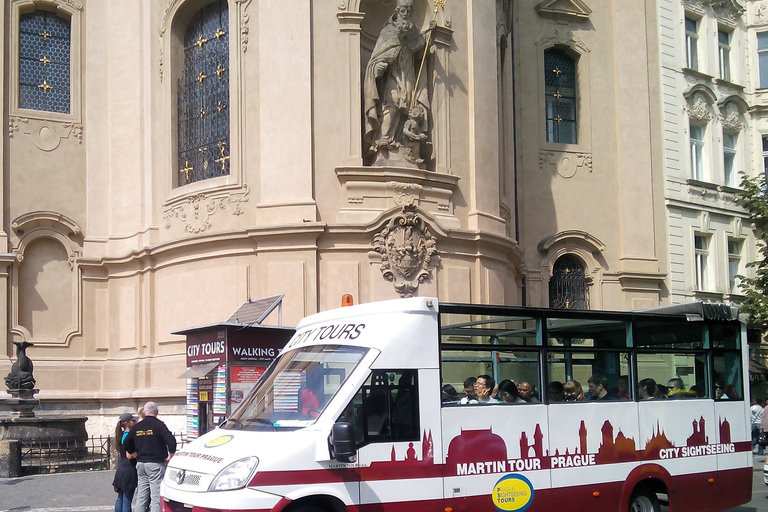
<point x="225" y="360"/>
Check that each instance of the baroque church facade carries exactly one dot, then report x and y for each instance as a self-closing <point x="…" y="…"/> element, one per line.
<point x="167" y="160"/>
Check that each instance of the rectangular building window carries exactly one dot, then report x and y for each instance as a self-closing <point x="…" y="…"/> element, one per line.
<point x="762" y="58"/>
<point x="697" y="151"/>
<point x="734" y="264"/>
<point x="691" y="43"/>
<point x="701" y="261"/>
<point x="560" y="93"/>
<point x="729" y="159"/>
<point x="765" y="157"/>
<point x="724" y="54"/>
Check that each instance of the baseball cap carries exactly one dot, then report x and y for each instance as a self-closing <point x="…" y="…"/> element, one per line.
<point x="128" y="416"/>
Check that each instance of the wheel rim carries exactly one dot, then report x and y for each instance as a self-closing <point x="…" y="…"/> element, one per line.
<point x="642" y="504"/>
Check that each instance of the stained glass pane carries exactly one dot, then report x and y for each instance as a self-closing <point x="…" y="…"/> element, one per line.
<point x="44" y="62"/>
<point x="560" y="90"/>
<point x="203" y="109"/>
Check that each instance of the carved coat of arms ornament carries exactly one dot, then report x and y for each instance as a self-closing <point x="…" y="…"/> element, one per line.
<point x="406" y="247"/>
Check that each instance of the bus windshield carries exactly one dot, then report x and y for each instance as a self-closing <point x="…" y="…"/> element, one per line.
<point x="296" y="388"/>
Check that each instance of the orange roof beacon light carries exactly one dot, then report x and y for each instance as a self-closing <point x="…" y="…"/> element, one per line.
<point x="346" y="300"/>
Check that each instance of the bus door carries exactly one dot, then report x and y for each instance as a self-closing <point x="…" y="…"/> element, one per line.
<point x="398" y="434"/>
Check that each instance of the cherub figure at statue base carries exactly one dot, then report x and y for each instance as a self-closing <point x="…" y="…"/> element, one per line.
<point x="413" y="132"/>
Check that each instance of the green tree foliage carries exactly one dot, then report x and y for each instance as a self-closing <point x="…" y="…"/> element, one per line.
<point x="754" y="199"/>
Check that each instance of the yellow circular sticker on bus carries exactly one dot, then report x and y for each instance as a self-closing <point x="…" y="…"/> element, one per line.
<point x="513" y="493"/>
<point x="213" y="443"/>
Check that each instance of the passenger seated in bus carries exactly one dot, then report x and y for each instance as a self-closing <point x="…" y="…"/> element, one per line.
<point x="720" y="393"/>
<point x="508" y="393"/>
<point x="469" y="390"/>
<point x="622" y="388"/>
<point x="528" y="392"/>
<point x="448" y="394"/>
<point x="483" y="388"/>
<point x="573" y="391"/>
<point x="677" y="389"/>
<point x="556" y="391"/>
<point x="598" y="391"/>
<point x="647" y="389"/>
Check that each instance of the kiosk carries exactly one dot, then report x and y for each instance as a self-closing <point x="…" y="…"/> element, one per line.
<point x="225" y="360"/>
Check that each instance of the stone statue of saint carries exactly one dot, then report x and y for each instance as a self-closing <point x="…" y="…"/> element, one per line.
<point x="389" y="85"/>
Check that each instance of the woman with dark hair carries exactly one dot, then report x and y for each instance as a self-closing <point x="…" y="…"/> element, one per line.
<point x="508" y="392"/>
<point x="449" y="394"/>
<point x="126" y="479"/>
<point x="647" y="389"/>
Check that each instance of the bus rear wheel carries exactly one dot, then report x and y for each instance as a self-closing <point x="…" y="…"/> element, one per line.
<point x="644" y="501"/>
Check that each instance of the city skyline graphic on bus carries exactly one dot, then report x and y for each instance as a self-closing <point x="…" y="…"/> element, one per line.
<point x="471" y="446"/>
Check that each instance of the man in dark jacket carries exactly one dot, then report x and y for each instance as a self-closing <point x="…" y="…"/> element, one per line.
<point x="153" y="445"/>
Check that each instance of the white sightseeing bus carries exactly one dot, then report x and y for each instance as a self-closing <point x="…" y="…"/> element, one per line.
<point x="352" y="415"/>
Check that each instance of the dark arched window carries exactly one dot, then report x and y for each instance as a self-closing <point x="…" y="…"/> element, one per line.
<point x="44" y="71"/>
<point x="203" y="110"/>
<point x="568" y="285"/>
<point x="560" y="92"/>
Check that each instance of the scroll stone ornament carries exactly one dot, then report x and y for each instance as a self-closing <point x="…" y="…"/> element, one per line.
<point x="406" y="247"/>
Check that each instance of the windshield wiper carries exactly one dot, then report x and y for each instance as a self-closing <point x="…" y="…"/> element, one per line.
<point x="262" y="421"/>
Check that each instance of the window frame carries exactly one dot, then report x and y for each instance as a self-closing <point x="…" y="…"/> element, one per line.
<point x="692" y="42"/>
<point x="62" y="10"/>
<point x="730" y="159"/>
<point x="185" y="121"/>
<point x="564" y="95"/>
<point x="724" y="49"/>
<point x="702" y="266"/>
<point x="764" y="139"/>
<point x="762" y="59"/>
<point x="698" y="168"/>
<point x="734" y="258"/>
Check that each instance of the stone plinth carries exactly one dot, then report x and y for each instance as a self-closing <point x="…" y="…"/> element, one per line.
<point x="371" y="191"/>
<point x="49" y="428"/>
<point x="22" y="402"/>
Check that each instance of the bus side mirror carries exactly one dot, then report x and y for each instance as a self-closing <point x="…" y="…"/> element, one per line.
<point x="342" y="442"/>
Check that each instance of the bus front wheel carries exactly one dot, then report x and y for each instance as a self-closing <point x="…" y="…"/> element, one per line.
<point x="644" y="501"/>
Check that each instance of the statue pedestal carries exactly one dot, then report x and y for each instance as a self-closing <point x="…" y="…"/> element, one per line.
<point x="22" y="402"/>
<point x="371" y="191"/>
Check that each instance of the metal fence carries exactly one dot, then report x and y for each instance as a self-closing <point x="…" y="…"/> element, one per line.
<point x="40" y="456"/>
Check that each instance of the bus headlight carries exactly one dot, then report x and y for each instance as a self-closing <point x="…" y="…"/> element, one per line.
<point x="234" y="476"/>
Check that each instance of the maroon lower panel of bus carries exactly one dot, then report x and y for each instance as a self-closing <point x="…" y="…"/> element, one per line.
<point x="701" y="492"/>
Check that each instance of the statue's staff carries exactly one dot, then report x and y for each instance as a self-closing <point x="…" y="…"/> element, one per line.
<point x="438" y="5"/>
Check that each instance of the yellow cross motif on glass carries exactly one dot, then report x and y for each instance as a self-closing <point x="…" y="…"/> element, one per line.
<point x="45" y="87"/>
<point x="45" y="35"/>
<point x="45" y="60"/>
<point x="186" y="170"/>
<point x="200" y="78"/>
<point x="219" y="34"/>
<point x="201" y="41"/>
<point x="223" y="160"/>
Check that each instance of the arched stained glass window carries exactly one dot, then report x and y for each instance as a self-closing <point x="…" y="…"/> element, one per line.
<point x="44" y="53"/>
<point x="568" y="285"/>
<point x="203" y="96"/>
<point x="560" y="91"/>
